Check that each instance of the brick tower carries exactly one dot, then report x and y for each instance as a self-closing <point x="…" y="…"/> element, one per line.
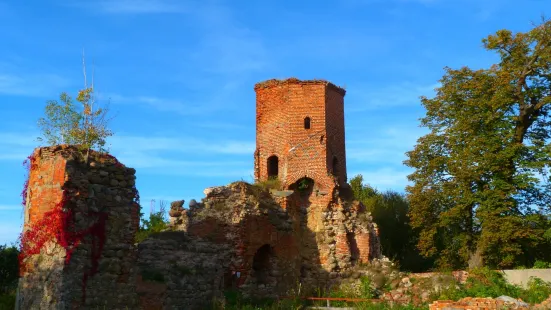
<point x="300" y="132"/>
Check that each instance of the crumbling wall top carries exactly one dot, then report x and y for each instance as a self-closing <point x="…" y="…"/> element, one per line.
<point x="277" y="82"/>
<point x="73" y="152"/>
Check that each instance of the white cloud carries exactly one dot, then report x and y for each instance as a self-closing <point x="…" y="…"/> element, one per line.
<point x="32" y="84"/>
<point x="404" y="94"/>
<point x="133" y="6"/>
<point x="11" y="207"/>
<point x="379" y="156"/>
<point x="162" y="104"/>
<point x="184" y="156"/>
<point x="17" y="146"/>
<point x="140" y="144"/>
<point x="9" y="231"/>
<point x="386" y="146"/>
<point x="385" y="178"/>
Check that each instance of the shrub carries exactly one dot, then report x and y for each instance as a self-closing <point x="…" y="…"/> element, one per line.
<point x="271" y="183"/>
<point x="156" y="223"/>
<point x="7" y="301"/>
<point x="483" y="282"/>
<point x="537" y="291"/>
<point x="9" y="268"/>
<point x="541" y="265"/>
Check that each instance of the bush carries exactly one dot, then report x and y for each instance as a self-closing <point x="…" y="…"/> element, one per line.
<point x="271" y="183"/>
<point x="9" y="268"/>
<point x="537" y="291"/>
<point x="7" y="301"/>
<point x="156" y="223"/>
<point x="483" y="282"/>
<point x="541" y="265"/>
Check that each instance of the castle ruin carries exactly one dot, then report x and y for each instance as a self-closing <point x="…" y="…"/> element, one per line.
<point x="82" y="217"/>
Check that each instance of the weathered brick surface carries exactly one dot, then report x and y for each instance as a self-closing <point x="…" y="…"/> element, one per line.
<point x="96" y="268"/>
<point x="317" y="153"/>
<point x="316" y="236"/>
<point x="281" y="107"/>
<point x="363" y="242"/>
<point x="45" y="185"/>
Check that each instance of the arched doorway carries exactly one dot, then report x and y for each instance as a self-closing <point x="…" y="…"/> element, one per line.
<point x="273" y="167"/>
<point x="262" y="264"/>
<point x="303" y="187"/>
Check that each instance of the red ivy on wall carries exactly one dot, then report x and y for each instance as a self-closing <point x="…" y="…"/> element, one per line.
<point x="58" y="226"/>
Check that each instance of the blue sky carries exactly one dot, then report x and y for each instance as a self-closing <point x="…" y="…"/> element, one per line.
<point x="180" y="75"/>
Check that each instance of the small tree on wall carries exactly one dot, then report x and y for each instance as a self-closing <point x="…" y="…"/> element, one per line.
<point x="84" y="125"/>
<point x="63" y="123"/>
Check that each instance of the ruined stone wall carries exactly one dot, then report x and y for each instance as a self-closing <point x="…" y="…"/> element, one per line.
<point x="176" y="271"/>
<point x="238" y="237"/>
<point x="80" y="222"/>
<point x="244" y="219"/>
<point x="275" y="248"/>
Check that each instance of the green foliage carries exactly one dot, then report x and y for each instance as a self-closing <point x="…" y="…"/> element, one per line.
<point x="366" y="289"/>
<point x="390" y="211"/>
<point x="7" y="301"/>
<point x="156" y="223"/>
<point x="9" y="275"/>
<point x="537" y="291"/>
<point x="541" y="265"/>
<point x="9" y="267"/>
<point x="271" y="183"/>
<point x="480" y="181"/>
<point x="483" y="282"/>
<point x="304" y="184"/>
<point x="64" y="123"/>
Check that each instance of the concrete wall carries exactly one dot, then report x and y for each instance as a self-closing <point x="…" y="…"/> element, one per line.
<point x="521" y="277"/>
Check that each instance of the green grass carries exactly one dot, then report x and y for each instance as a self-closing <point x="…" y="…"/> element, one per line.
<point x="7" y="301"/>
<point x="272" y="183"/>
<point x="482" y="282"/>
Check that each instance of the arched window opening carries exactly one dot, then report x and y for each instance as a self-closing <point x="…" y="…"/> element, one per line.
<point x="262" y="264"/>
<point x="307" y="123"/>
<point x="304" y="187"/>
<point x="335" y="166"/>
<point x="273" y="166"/>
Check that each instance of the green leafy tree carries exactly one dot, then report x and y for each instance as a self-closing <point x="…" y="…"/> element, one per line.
<point x="84" y="125"/>
<point x="9" y="268"/>
<point x="481" y="174"/>
<point x="156" y="223"/>
<point x="389" y="210"/>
